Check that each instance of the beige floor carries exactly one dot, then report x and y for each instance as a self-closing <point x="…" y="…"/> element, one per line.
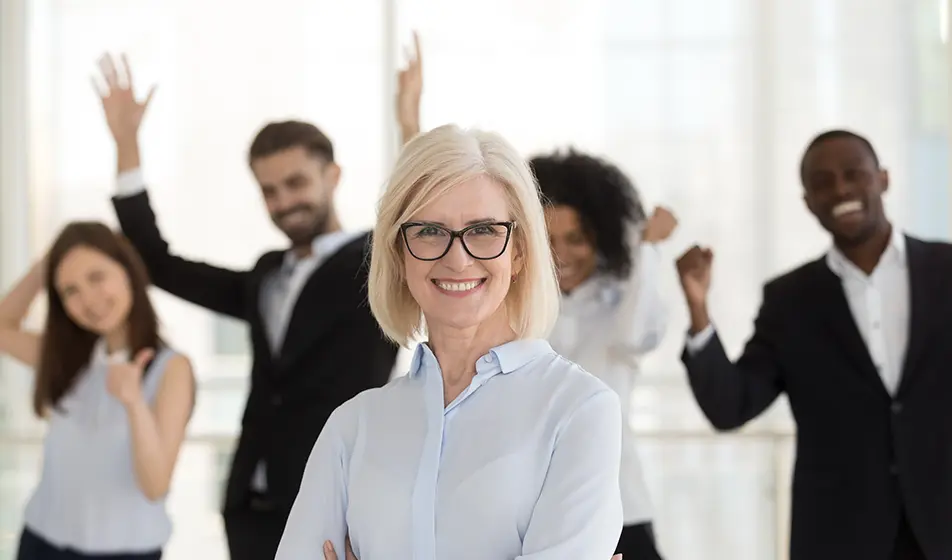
<point x="717" y="496"/>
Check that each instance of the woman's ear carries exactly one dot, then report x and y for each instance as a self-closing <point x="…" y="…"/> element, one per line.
<point x="518" y="261"/>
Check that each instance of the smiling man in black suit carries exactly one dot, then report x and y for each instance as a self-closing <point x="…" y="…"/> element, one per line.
<point x="858" y="340"/>
<point x="314" y="340"/>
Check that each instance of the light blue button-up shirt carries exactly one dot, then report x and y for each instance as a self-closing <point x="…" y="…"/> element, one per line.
<point x="522" y="465"/>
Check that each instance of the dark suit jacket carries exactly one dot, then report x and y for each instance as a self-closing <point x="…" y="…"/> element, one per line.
<point x="863" y="457"/>
<point x="332" y="351"/>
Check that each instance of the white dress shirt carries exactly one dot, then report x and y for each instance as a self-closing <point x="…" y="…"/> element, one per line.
<point x="522" y="465"/>
<point x="279" y="291"/>
<point x="605" y="325"/>
<point x="879" y="303"/>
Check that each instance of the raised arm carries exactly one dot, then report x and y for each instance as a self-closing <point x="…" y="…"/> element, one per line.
<point x="410" y="92"/>
<point x="16" y="341"/>
<point x="579" y="514"/>
<point x="219" y="289"/>
<point x="317" y="515"/>
<point x="641" y="314"/>
<point x="729" y="393"/>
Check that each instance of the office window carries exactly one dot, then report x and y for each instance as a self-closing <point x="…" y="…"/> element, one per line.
<point x="223" y="71"/>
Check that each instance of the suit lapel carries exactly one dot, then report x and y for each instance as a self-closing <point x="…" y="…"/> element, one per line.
<point x="309" y="318"/>
<point x="323" y="300"/>
<point x="923" y="289"/>
<point x="839" y="318"/>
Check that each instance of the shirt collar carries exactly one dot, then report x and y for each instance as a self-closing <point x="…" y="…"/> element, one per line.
<point x="505" y="358"/>
<point x="895" y="252"/>
<point x="322" y="246"/>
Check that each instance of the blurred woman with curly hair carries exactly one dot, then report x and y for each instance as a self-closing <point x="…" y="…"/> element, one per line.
<point x="604" y="246"/>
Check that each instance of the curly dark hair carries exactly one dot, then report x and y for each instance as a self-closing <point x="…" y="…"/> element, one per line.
<point x="606" y="200"/>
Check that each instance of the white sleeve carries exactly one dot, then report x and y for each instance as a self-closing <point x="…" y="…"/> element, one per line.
<point x="641" y="314"/>
<point x="697" y="342"/>
<point x="130" y="183"/>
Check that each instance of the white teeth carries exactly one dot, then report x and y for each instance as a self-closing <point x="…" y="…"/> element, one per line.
<point x="458" y="286"/>
<point x="847" y="208"/>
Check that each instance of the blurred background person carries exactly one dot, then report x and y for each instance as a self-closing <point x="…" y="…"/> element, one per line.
<point x="855" y="339"/>
<point x="116" y="398"/>
<point x="612" y="313"/>
<point x="315" y="342"/>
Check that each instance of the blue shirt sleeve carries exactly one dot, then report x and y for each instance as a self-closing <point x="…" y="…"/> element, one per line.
<point x="579" y="513"/>
<point x="318" y="513"/>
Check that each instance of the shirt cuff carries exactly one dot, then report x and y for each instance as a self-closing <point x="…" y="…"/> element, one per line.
<point x="697" y="342"/>
<point x="130" y="183"/>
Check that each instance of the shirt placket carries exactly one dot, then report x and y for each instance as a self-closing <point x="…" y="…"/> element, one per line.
<point x="877" y="339"/>
<point x="425" y="487"/>
<point x="277" y="313"/>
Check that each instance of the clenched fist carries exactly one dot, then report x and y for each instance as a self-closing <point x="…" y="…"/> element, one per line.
<point x="694" y="269"/>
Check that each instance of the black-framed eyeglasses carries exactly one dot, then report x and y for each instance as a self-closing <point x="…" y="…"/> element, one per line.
<point x="484" y="241"/>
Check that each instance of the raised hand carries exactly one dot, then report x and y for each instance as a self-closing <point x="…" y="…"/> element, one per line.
<point x="694" y="268"/>
<point x="124" y="379"/>
<point x="410" y="92"/>
<point x="123" y="111"/>
<point x="660" y="225"/>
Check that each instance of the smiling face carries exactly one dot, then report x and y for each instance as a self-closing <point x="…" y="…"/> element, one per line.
<point x="298" y="190"/>
<point x="459" y="291"/>
<point x="573" y="249"/>
<point x="95" y="290"/>
<point x="843" y="188"/>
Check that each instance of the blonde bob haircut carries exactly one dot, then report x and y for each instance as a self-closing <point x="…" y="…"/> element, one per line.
<point x="430" y="165"/>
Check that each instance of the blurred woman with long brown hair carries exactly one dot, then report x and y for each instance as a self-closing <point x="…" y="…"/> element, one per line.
<point x="117" y="400"/>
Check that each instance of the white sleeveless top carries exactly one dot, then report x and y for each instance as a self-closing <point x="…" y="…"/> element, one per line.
<point x="87" y="498"/>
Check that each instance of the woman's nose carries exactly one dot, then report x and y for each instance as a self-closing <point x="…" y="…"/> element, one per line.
<point x="457" y="259"/>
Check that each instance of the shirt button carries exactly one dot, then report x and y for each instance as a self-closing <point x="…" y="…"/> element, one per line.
<point x="487" y="359"/>
<point x="875" y="324"/>
<point x="893" y="469"/>
<point x="896" y="407"/>
<point x="276" y="400"/>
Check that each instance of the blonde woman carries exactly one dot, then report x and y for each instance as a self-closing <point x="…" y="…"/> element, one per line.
<point x="493" y="446"/>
